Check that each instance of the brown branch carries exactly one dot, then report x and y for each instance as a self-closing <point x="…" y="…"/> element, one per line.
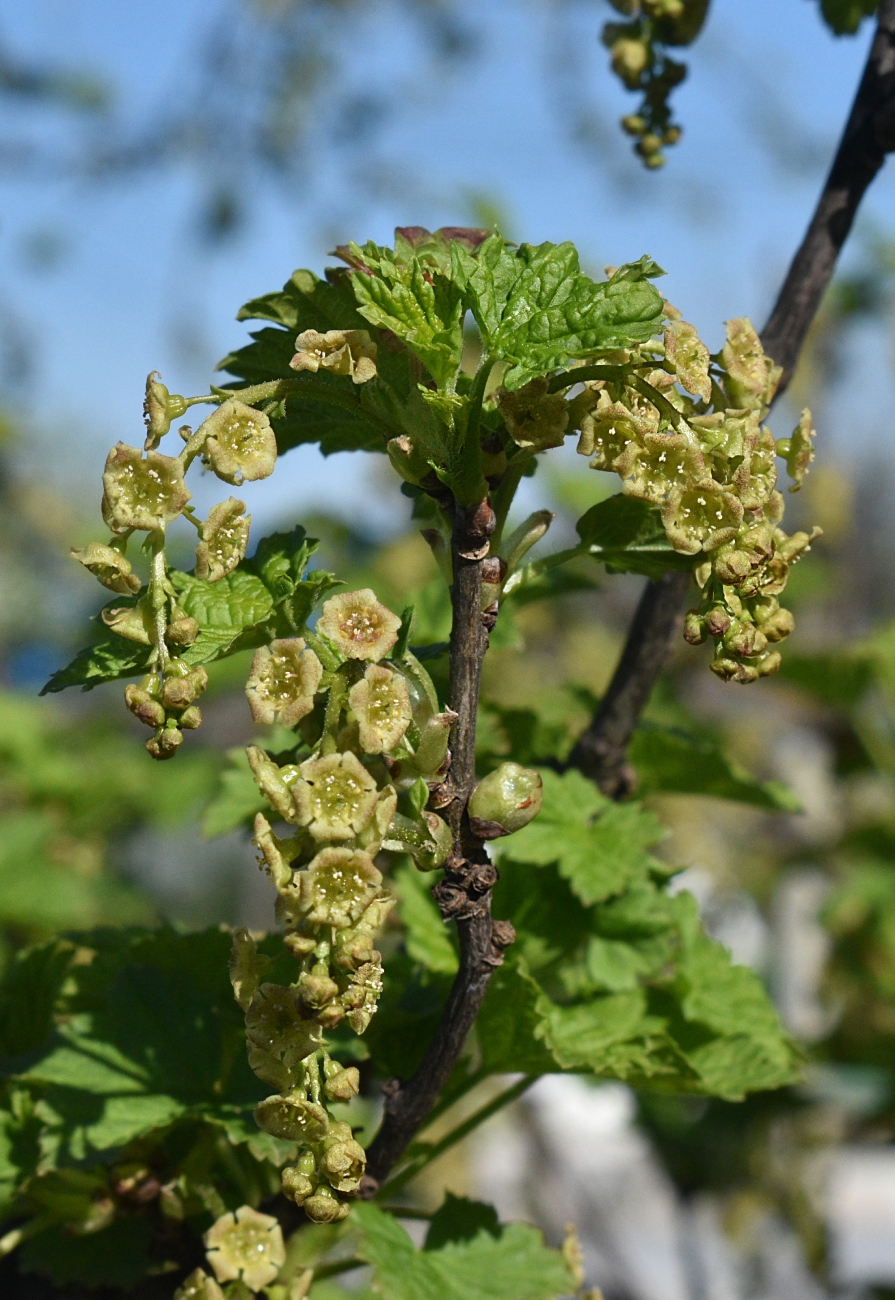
<point x="869" y="134"/>
<point x="465" y="892"/>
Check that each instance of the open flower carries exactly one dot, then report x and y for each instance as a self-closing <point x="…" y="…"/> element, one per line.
<point x="338" y="886"/>
<point x="690" y="358"/>
<point x="279" y="1038"/>
<point x="663" y="462"/>
<point x="108" y="565"/>
<point x="609" y="428"/>
<point x="283" y="681"/>
<point x="245" y="1245"/>
<point x="381" y="704"/>
<point x="142" y="492"/>
<point x="762" y="472"/>
<point x="223" y="540"/>
<point x="239" y="443"/>
<point x="701" y="518"/>
<point x="343" y="352"/>
<point x="335" y="797"/>
<point x="199" y="1286"/>
<point x="292" y="1118"/>
<point x="359" y="625"/>
<point x="535" y="418"/>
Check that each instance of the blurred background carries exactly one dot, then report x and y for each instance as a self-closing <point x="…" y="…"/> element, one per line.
<point x="162" y="163"/>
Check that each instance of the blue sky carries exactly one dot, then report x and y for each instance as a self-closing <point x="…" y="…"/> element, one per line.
<point x="133" y="290"/>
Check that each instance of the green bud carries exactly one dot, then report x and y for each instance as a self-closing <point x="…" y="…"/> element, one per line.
<point x="108" y="565"/>
<point x="315" y="988"/>
<point x="165" y="743"/>
<point x="324" y="1207"/>
<point x="344" y="1159"/>
<point x="336" y="796"/>
<point x="733" y="670"/>
<point x="190" y="719"/>
<point x="717" y="621"/>
<point x="441" y="838"/>
<point x="633" y="124"/>
<point x="358" y="625"/>
<point x="199" y="1286"/>
<point x="731" y="565"/>
<point x="297" y="1186"/>
<point x="239" y="443"/>
<point x="536" y="419"/>
<point x="431" y="752"/>
<point x="144" y="707"/>
<point x="694" y="628"/>
<point x="245" y="1246"/>
<point x="224" y="538"/>
<point x="342" y="352"/>
<point x="182" y="630"/>
<point x="133" y="622"/>
<point x="342" y="1082"/>
<point x="178" y="692"/>
<point x="381" y="704"/>
<point x="159" y="408"/>
<point x="649" y="145"/>
<point x="744" y="639"/>
<point x="283" y="681"/>
<point x="505" y="800"/>
<point x="410" y="463"/>
<point x="247" y="966"/>
<point x="144" y="493"/>
<point x="671" y="136"/>
<point x="630" y="59"/>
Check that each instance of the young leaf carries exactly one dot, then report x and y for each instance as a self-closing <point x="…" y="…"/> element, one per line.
<point x="674" y="761"/>
<point x="426" y="937"/>
<point x="237" y="800"/>
<point x="627" y="535"/>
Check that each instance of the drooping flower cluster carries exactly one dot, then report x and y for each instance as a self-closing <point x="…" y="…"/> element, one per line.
<point x="372" y="738"/>
<point x="683" y="430"/>
<point x="145" y="493"/>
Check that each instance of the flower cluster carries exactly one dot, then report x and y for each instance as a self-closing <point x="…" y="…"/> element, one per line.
<point x="372" y="739"/>
<point x="683" y="430"/>
<point x="144" y="492"/>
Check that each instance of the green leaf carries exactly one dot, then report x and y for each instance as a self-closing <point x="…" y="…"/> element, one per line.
<point x="671" y="760"/>
<point x="237" y="800"/>
<point x="599" y="846"/>
<point x="107" y="660"/>
<point x="426" y="937"/>
<point x="118" y="1256"/>
<point x="510" y="1025"/>
<point x="844" y="17"/>
<point x="626" y="534"/>
<point x="460" y="1219"/>
<point x="537" y="310"/>
<point x="514" y="1265"/>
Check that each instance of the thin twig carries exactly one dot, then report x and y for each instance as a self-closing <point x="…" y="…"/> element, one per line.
<point x="465" y="892"/>
<point x="868" y="136"/>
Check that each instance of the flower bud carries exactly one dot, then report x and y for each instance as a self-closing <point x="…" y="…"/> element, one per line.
<point x="246" y="967"/>
<point x="732" y="670"/>
<point x="324" y="1207"/>
<point x="342" y="1082"/>
<point x="751" y="377"/>
<point x="442" y="843"/>
<point x="159" y="408"/>
<point x="292" y="1118"/>
<point x="431" y="753"/>
<point x="744" y="639"/>
<point x="165" y="743"/>
<point x="778" y="626"/>
<point x="630" y="59"/>
<point x="690" y="358"/>
<point x="144" y="707"/>
<point x="134" y="622"/>
<point x="342" y="352"/>
<point x="146" y="493"/>
<point x="717" y="620"/>
<point x="315" y="988"/>
<point x="344" y="1159"/>
<point x="799" y="450"/>
<point x="381" y="704"/>
<point x="199" y="1286"/>
<point x="410" y="463"/>
<point x="190" y="719"/>
<point x="505" y="800"/>
<point x="358" y="625"/>
<point x="270" y="780"/>
<point x="731" y="565"/>
<point x="694" y="628"/>
<point x="297" y="1186"/>
<point x="108" y="565"/>
<point x="239" y="443"/>
<point x="224" y="538"/>
<point x="283" y="681"/>
<point x="182" y="630"/>
<point x="183" y="689"/>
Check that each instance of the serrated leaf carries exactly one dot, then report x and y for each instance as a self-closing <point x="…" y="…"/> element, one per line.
<point x="516" y="1265"/>
<point x="422" y="308"/>
<point x="671" y="760"/>
<point x="599" y="847"/>
<point x="460" y="1219"/>
<point x="626" y="534"/>
<point x="107" y="660"/>
<point x="426" y="937"/>
<point x="537" y="310"/>
<point x="510" y="1025"/>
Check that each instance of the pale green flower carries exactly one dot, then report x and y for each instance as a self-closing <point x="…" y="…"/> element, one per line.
<point x="701" y="518"/>
<point x="245" y="1245"/>
<point x="342" y="352"/>
<point x="142" y="492"/>
<point x="239" y="443"/>
<point x="336" y="796"/>
<point x="108" y="565"/>
<point x="223" y="540"/>
<point x="338" y="886"/>
<point x="381" y="704"/>
<point x="358" y="625"/>
<point x="283" y="681"/>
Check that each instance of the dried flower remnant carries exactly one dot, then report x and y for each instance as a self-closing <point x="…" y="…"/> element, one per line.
<point x="358" y="625"/>
<point x="283" y="681"/>
<point x="109" y="566"/>
<point x="245" y="1245"/>
<point x="146" y="493"/>
<point x="224" y="538"/>
<point x="240" y="444"/>
<point x="536" y="419"/>
<point x="342" y="352"/>
<point x="381" y="704"/>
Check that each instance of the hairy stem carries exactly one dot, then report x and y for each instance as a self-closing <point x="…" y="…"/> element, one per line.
<point x="465" y="893"/>
<point x="869" y="134"/>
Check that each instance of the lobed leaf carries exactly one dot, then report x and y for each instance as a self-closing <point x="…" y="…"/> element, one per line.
<point x="627" y="535"/>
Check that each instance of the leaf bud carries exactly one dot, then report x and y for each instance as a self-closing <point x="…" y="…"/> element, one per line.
<point x="159" y="408"/>
<point x="283" y="681"/>
<point x="381" y="704"/>
<point x="144" y="707"/>
<point x="343" y="352"/>
<point x="536" y="419"/>
<point x="505" y="800"/>
<point x="247" y="1246"/>
<point x="522" y="539"/>
<point x="223" y="540"/>
<point x="108" y="565"/>
<point x="358" y="625"/>
<point x="342" y="1082"/>
<point x="179" y="691"/>
<point x="239" y="443"/>
<point x="146" y="493"/>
